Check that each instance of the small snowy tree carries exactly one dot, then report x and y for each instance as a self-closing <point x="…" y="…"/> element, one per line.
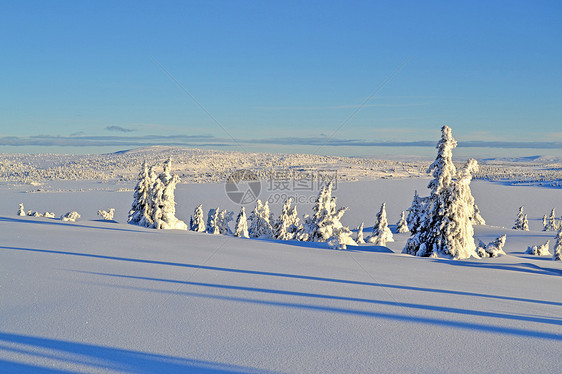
<point x="550" y="223"/>
<point x="521" y="222"/>
<point x="223" y="222"/>
<point x="476" y="218"/>
<point x="381" y="232"/>
<point x="539" y="250"/>
<point x="163" y="200"/>
<point x="286" y="226"/>
<point x="241" y="229"/>
<point x="494" y="249"/>
<point x="260" y="224"/>
<point x="21" y="210"/>
<point x="213" y="221"/>
<point x="360" y="239"/>
<point x="107" y="215"/>
<point x="557" y="256"/>
<point x="197" y="222"/>
<point x="402" y="225"/>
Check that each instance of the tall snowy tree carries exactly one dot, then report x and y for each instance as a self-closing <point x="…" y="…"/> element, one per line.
<point x="550" y="223"/>
<point x="213" y="225"/>
<point x="223" y="222"/>
<point x="557" y="255"/>
<point x="445" y="226"/>
<point x="381" y="232"/>
<point x="521" y="222"/>
<point x="402" y="225"/>
<point x="360" y="239"/>
<point x="417" y="212"/>
<point x="197" y="222"/>
<point x="260" y="221"/>
<point x="241" y="229"/>
<point x="286" y="226"/>
<point x="141" y="209"/>
<point x="164" y="204"/>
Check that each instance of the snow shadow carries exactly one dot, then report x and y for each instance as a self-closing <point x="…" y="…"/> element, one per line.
<point x="524" y="267"/>
<point x="312" y="296"/>
<point x="291" y="276"/>
<point x="498" y="328"/>
<point x="57" y="222"/>
<point x="35" y="354"/>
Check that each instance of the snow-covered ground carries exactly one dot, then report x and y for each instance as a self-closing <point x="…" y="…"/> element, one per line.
<point x="105" y="296"/>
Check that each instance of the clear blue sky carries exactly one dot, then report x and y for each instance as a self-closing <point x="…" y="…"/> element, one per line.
<point x="281" y="76"/>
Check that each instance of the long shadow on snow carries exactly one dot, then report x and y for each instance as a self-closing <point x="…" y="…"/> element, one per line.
<point x="99" y="358"/>
<point x="522" y="267"/>
<point x="284" y="275"/>
<point x="363" y="313"/>
<point x="61" y="223"/>
<point x="551" y="321"/>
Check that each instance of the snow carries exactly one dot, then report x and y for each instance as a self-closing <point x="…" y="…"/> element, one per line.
<point x="106" y="296"/>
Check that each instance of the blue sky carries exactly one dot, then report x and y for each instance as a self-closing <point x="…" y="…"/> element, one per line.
<point x="282" y="76"/>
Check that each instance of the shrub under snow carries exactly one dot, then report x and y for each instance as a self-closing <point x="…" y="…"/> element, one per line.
<point x="539" y="250"/>
<point x="107" y="215"/>
<point x="70" y="216"/>
<point x="493" y="249"/>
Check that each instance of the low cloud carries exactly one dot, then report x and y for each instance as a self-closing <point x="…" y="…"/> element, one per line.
<point x="118" y="129"/>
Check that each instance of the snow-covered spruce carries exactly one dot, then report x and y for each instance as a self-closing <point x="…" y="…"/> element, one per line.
<point x="539" y="250"/>
<point x="21" y="210"/>
<point x="197" y="222"/>
<point x="153" y="200"/>
<point x="141" y="209"/>
<point x="402" y="225"/>
<point x="381" y="233"/>
<point x="521" y="222"/>
<point x="476" y="218"/>
<point x="444" y="226"/>
<point x="550" y="223"/>
<point x="213" y="221"/>
<point x="557" y="255"/>
<point x="107" y="214"/>
<point x="224" y="219"/>
<point x="260" y="222"/>
<point x="325" y="222"/>
<point x="493" y="249"/>
<point x="241" y="229"/>
<point x="70" y="216"/>
<point x="359" y="239"/>
<point x="287" y="224"/>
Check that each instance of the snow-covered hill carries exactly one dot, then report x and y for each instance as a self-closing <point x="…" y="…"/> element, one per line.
<point x="101" y="296"/>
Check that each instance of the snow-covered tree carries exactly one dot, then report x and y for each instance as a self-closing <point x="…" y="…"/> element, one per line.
<point x="213" y="225"/>
<point x="260" y="221"/>
<point x="341" y="238"/>
<point x="107" y="214"/>
<point x="141" y="209"/>
<point x="360" y="239"/>
<point x="539" y="250"/>
<point x="381" y="233"/>
<point x="493" y="249"/>
<point x="197" y="221"/>
<point x="287" y="225"/>
<point x="241" y="229"/>
<point x="417" y="212"/>
<point x="550" y="223"/>
<point x="521" y="222"/>
<point x="402" y="225"/>
<point x="325" y="222"/>
<point x="223" y="222"/>
<point x="70" y="216"/>
<point x="21" y="210"/>
<point x="557" y="255"/>
<point x="444" y="226"/>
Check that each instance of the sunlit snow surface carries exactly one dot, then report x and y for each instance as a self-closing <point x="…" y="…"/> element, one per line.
<point x="104" y="296"/>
